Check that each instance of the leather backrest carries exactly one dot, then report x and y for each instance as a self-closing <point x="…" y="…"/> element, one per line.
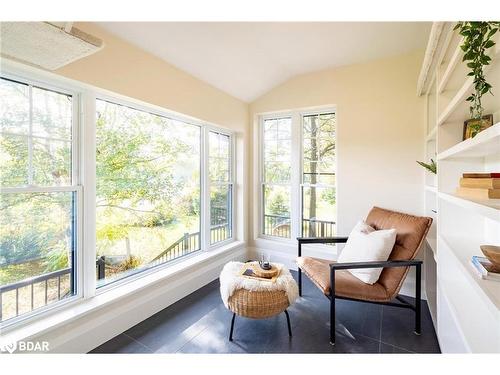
<point x="411" y="231"/>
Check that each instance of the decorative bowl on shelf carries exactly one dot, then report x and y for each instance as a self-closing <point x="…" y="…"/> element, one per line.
<point x="492" y="253"/>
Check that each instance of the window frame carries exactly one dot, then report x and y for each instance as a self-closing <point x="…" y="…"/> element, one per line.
<point x="83" y="165"/>
<point x="207" y="184"/>
<point x="205" y="127"/>
<point x="76" y="186"/>
<point x="296" y="180"/>
<point x="262" y="179"/>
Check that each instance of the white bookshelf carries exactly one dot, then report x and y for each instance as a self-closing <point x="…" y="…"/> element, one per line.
<point x="465" y="309"/>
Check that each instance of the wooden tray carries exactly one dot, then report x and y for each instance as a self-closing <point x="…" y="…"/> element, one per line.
<point x="273" y="272"/>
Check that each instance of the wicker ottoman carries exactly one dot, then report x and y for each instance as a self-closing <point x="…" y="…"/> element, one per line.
<point x="258" y="305"/>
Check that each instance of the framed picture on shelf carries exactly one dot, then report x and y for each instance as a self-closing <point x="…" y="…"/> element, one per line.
<point x="473" y="127"/>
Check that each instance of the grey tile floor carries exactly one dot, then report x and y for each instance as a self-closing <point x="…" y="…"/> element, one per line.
<point x="199" y="323"/>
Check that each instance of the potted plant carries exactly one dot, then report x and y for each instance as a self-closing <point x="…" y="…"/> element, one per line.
<point x="477" y="40"/>
<point x="432" y="168"/>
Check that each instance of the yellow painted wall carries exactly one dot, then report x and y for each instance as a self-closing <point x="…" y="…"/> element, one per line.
<point x="379" y="135"/>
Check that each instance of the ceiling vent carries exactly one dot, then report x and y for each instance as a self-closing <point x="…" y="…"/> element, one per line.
<point x="44" y="44"/>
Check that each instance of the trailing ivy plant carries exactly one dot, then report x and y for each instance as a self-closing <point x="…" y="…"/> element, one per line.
<point x="477" y="39"/>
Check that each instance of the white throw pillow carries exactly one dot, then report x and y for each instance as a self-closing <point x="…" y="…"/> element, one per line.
<point x="366" y="244"/>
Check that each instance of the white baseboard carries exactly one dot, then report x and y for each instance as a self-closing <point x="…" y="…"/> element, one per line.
<point x="94" y="329"/>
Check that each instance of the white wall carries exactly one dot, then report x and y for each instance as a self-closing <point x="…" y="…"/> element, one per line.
<point x="379" y="137"/>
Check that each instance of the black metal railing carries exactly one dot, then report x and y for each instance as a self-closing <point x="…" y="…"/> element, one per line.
<point x="280" y="226"/>
<point x="48" y="289"/>
<point x="52" y="283"/>
<point x="55" y="286"/>
<point x="276" y="225"/>
<point x="220" y="232"/>
<point x="187" y="244"/>
<point x="318" y="228"/>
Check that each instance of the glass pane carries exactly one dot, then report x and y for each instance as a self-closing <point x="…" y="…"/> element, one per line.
<point x="148" y="189"/>
<point x="284" y="128"/>
<point x="220" y="213"/>
<point x="277" y="172"/>
<point x="319" y="149"/>
<point x="277" y="150"/>
<point x="51" y="162"/>
<point x="319" y="211"/>
<point x="13" y="160"/>
<point x="14" y="107"/>
<point x="219" y="157"/>
<point x="52" y="114"/>
<point x="318" y="178"/>
<point x="37" y="246"/>
<point x="277" y="211"/>
<point x="270" y="130"/>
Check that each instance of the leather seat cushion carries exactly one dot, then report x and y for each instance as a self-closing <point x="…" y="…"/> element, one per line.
<point x="346" y="285"/>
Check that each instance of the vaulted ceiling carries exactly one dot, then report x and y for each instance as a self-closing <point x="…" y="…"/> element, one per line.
<point x="247" y="59"/>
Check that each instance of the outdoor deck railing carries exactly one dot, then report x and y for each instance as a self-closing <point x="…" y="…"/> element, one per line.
<point x="277" y="225"/>
<point x="51" y="283"/>
<point x="30" y="283"/>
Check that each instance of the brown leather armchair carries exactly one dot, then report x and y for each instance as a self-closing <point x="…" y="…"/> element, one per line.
<point x="336" y="282"/>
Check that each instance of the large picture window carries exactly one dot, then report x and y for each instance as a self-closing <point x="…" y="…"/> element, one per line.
<point x="39" y="197"/>
<point x="310" y="139"/>
<point x="148" y="190"/>
<point x="154" y="202"/>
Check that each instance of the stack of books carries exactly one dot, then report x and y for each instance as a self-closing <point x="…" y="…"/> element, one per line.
<point x="480" y="186"/>
<point x="484" y="268"/>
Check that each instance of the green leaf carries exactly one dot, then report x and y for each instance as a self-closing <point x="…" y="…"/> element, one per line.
<point x="489" y="44"/>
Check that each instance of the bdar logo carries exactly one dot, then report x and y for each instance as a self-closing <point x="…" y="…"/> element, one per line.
<point x="11" y="348"/>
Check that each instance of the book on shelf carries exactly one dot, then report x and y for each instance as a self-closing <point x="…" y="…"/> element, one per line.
<point x="480" y="183"/>
<point x="476" y="193"/>
<point x="482" y="175"/>
<point x="484" y="268"/>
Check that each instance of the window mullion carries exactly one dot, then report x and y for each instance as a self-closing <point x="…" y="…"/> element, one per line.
<point x="88" y="177"/>
<point x="30" y="136"/>
<point x="205" y="191"/>
<point x="296" y="156"/>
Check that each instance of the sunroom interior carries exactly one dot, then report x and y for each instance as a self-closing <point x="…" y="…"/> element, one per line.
<point x="138" y="160"/>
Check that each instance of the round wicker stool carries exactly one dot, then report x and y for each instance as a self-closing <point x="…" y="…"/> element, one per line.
<point x="258" y="305"/>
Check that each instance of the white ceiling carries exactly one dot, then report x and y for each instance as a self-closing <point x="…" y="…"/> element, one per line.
<point x="247" y="59"/>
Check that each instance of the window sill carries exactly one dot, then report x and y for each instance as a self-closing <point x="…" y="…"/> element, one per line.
<point x="83" y="307"/>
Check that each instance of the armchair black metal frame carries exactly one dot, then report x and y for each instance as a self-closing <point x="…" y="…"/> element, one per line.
<point x="344" y="266"/>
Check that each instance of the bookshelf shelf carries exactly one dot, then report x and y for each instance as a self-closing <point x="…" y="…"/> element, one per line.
<point x="431" y="189"/>
<point x="463" y="248"/>
<point x="449" y="69"/>
<point x="432" y="135"/>
<point x="485" y="143"/>
<point x="489" y="208"/>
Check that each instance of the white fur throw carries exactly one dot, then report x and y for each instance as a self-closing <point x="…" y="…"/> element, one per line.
<point x="231" y="280"/>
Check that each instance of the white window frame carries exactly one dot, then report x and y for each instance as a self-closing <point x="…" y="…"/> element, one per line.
<point x="75" y="187"/>
<point x="83" y="165"/>
<point x="302" y="184"/>
<point x="296" y="180"/>
<point x="205" y="127"/>
<point x="207" y="185"/>
<point x="262" y="179"/>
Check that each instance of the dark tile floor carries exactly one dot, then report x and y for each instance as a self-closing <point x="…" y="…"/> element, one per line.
<point x="199" y="323"/>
